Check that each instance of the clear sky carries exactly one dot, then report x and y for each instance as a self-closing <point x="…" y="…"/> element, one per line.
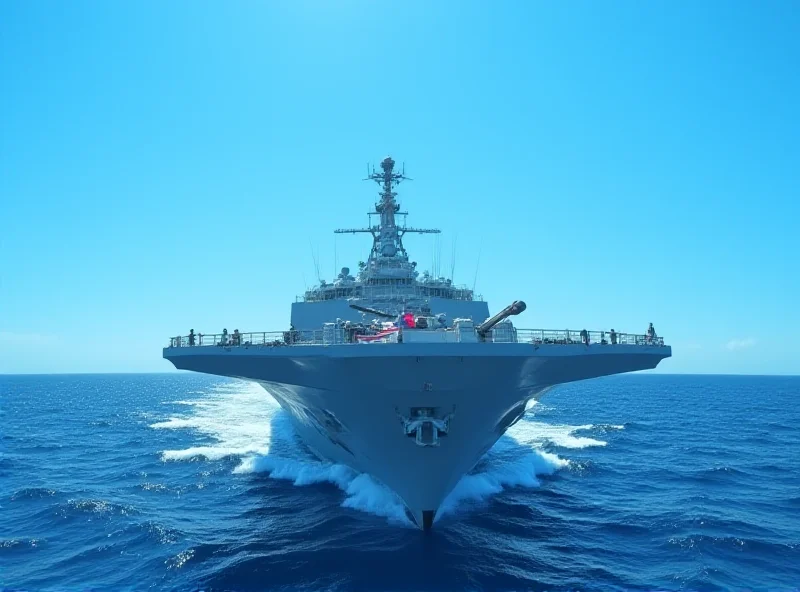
<point x="172" y="165"/>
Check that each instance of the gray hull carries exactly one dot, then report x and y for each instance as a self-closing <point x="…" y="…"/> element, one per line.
<point x="362" y="429"/>
<point x="348" y="404"/>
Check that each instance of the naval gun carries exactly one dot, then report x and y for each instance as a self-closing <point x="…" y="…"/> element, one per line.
<point x="514" y="308"/>
<point x="420" y="320"/>
<point x="373" y="311"/>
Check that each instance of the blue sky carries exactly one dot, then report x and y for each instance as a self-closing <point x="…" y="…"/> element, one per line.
<point x="166" y="166"/>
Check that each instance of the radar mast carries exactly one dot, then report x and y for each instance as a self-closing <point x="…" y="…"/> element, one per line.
<point x="387" y="246"/>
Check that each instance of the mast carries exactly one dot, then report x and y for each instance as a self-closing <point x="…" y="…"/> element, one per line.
<point x="387" y="235"/>
<point x="388" y="180"/>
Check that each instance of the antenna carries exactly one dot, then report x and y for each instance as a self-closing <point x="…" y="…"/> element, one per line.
<point x="335" y="256"/>
<point x="437" y="245"/>
<point x="435" y="262"/>
<point x="433" y="258"/>
<point x="453" y="259"/>
<point x="438" y="258"/>
<point x="316" y="261"/>
<point x="477" y="266"/>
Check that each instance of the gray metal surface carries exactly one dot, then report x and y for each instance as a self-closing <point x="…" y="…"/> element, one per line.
<point x="349" y="403"/>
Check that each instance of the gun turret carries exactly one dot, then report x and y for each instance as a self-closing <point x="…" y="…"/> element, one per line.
<point x="377" y="313"/>
<point x="514" y="308"/>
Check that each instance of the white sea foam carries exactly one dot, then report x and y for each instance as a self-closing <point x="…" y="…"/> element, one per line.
<point x="209" y="452"/>
<point x="237" y="415"/>
<point x="501" y="470"/>
<point x="536" y="433"/>
<point x="244" y="421"/>
<point x="362" y="491"/>
<point x="175" y="422"/>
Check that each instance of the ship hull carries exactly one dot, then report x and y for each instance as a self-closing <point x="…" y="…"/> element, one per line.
<point x="353" y="404"/>
<point x="364" y="429"/>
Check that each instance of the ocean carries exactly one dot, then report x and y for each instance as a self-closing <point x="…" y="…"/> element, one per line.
<point x="187" y="482"/>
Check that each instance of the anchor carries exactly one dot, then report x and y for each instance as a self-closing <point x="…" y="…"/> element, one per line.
<point x="424" y="426"/>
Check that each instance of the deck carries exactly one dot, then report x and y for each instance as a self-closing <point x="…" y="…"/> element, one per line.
<point x="325" y="337"/>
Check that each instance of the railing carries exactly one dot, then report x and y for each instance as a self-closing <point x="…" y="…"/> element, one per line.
<point x="318" y="337"/>
<point x="268" y="338"/>
<point x="389" y="291"/>
<point x="567" y="337"/>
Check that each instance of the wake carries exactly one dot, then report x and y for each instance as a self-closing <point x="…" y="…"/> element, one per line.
<point x="242" y="421"/>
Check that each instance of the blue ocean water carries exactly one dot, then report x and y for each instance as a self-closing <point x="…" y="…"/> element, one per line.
<point x="175" y="482"/>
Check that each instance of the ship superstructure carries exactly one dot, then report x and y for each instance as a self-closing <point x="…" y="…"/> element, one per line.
<point x="388" y="279"/>
<point x="404" y="376"/>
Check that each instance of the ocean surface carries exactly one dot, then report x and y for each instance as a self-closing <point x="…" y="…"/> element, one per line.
<point x="180" y="482"/>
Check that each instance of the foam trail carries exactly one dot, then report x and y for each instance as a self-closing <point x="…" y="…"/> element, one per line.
<point x="500" y="473"/>
<point x="243" y="420"/>
<point x="208" y="452"/>
<point x="237" y="415"/>
<point x="534" y="433"/>
<point x="290" y="462"/>
<point x="517" y="459"/>
<point x="362" y="491"/>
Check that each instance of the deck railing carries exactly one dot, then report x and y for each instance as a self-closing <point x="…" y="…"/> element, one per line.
<point x="389" y="292"/>
<point x="248" y="339"/>
<point x="317" y="337"/>
<point x="568" y="336"/>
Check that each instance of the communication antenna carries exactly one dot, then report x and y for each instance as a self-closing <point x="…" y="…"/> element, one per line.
<point x="477" y="266"/>
<point x="439" y="259"/>
<point x="453" y="259"/>
<point x="433" y="258"/>
<point x="435" y="264"/>
<point x="315" y="258"/>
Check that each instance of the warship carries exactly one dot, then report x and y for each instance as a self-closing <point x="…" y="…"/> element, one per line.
<point x="404" y="375"/>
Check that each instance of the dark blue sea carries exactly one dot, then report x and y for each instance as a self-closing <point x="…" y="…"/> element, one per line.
<point x="183" y="482"/>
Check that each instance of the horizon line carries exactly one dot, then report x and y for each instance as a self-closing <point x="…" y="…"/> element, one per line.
<point x="153" y="373"/>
